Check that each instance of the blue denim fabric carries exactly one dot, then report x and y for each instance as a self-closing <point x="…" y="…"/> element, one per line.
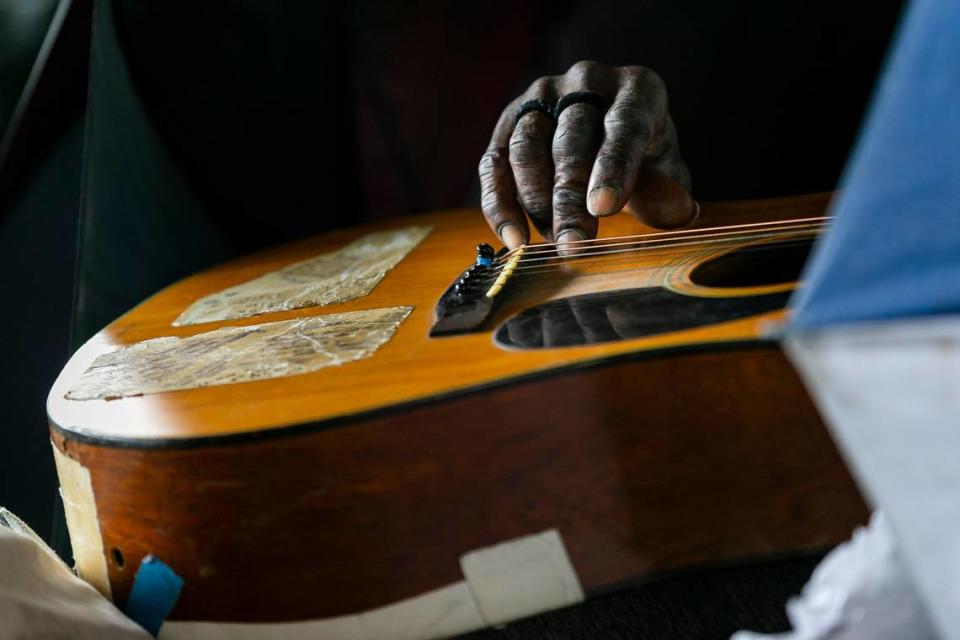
<point x="894" y="247"/>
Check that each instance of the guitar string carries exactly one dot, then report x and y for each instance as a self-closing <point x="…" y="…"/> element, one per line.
<point x="549" y="246"/>
<point x="729" y="235"/>
<point x="557" y="263"/>
<point x="621" y="258"/>
<point x="563" y="264"/>
<point x="663" y="244"/>
<point x="692" y="233"/>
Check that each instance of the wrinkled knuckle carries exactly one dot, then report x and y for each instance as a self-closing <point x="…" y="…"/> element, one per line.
<point x="609" y="174"/>
<point x="580" y="72"/>
<point x="581" y="116"/>
<point x="493" y="161"/>
<point x="528" y="142"/>
<point x="627" y="111"/>
<point x="582" y="66"/>
<point x="536" y="201"/>
<point x="630" y="119"/>
<point x="527" y="160"/>
<point x="633" y="72"/>
<point x="614" y="160"/>
<point x="533" y="189"/>
<point x="570" y="160"/>
<point x="569" y="149"/>
<point x="492" y="169"/>
<point x="642" y="81"/>
<point x="530" y="160"/>
<point x="539" y="87"/>
<point x="528" y="128"/>
<point x="489" y="196"/>
<point x="569" y="186"/>
<point x="577" y="133"/>
<point x="489" y="200"/>
<point x="569" y="206"/>
<point x="488" y="204"/>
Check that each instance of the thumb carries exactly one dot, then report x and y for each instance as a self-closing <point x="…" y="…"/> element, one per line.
<point x="660" y="201"/>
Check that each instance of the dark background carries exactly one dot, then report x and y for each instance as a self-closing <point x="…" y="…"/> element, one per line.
<point x="241" y="124"/>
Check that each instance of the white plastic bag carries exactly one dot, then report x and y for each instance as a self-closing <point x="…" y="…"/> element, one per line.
<point x="861" y="591"/>
<point x="41" y="598"/>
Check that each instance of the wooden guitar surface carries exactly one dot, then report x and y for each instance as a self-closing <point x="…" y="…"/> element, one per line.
<point x="410" y="367"/>
<point x="360" y="485"/>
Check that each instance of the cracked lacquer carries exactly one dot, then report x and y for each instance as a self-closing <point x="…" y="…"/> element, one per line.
<point x="347" y="273"/>
<point x="238" y="354"/>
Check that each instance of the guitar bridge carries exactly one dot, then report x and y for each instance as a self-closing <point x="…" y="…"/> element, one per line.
<point x="471" y="299"/>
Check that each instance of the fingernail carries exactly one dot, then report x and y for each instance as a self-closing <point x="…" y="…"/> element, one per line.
<point x="512" y="236"/>
<point x="602" y="201"/>
<point x="569" y="236"/>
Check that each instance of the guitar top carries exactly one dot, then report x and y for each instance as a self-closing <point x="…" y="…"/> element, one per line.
<point x="348" y="323"/>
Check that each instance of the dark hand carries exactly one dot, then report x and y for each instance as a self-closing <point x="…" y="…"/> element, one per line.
<point x="587" y="164"/>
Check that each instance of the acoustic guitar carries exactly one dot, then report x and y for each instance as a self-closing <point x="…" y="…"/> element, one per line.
<point x="390" y="432"/>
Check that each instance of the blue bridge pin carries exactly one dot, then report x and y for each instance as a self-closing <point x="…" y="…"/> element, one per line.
<point x="485" y="255"/>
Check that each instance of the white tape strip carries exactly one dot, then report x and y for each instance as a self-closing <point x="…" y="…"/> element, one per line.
<point x="506" y="582"/>
<point x="80" y="509"/>
<point x="521" y="578"/>
<point x="437" y="614"/>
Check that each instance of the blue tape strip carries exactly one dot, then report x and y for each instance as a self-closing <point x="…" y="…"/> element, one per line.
<point x="156" y="589"/>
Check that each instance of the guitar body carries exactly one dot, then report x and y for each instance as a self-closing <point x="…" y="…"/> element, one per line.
<point x="679" y="439"/>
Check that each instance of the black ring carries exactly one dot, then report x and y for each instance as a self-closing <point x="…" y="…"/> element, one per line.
<point x="577" y="97"/>
<point x="534" y="105"/>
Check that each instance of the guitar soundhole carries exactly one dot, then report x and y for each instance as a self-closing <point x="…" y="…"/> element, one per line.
<point x="755" y="266"/>
<point x="624" y="314"/>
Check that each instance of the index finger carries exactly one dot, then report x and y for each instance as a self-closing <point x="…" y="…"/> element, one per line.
<point x="498" y="191"/>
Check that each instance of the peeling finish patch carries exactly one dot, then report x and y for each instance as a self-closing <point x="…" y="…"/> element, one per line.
<point x="350" y="272"/>
<point x="238" y="354"/>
